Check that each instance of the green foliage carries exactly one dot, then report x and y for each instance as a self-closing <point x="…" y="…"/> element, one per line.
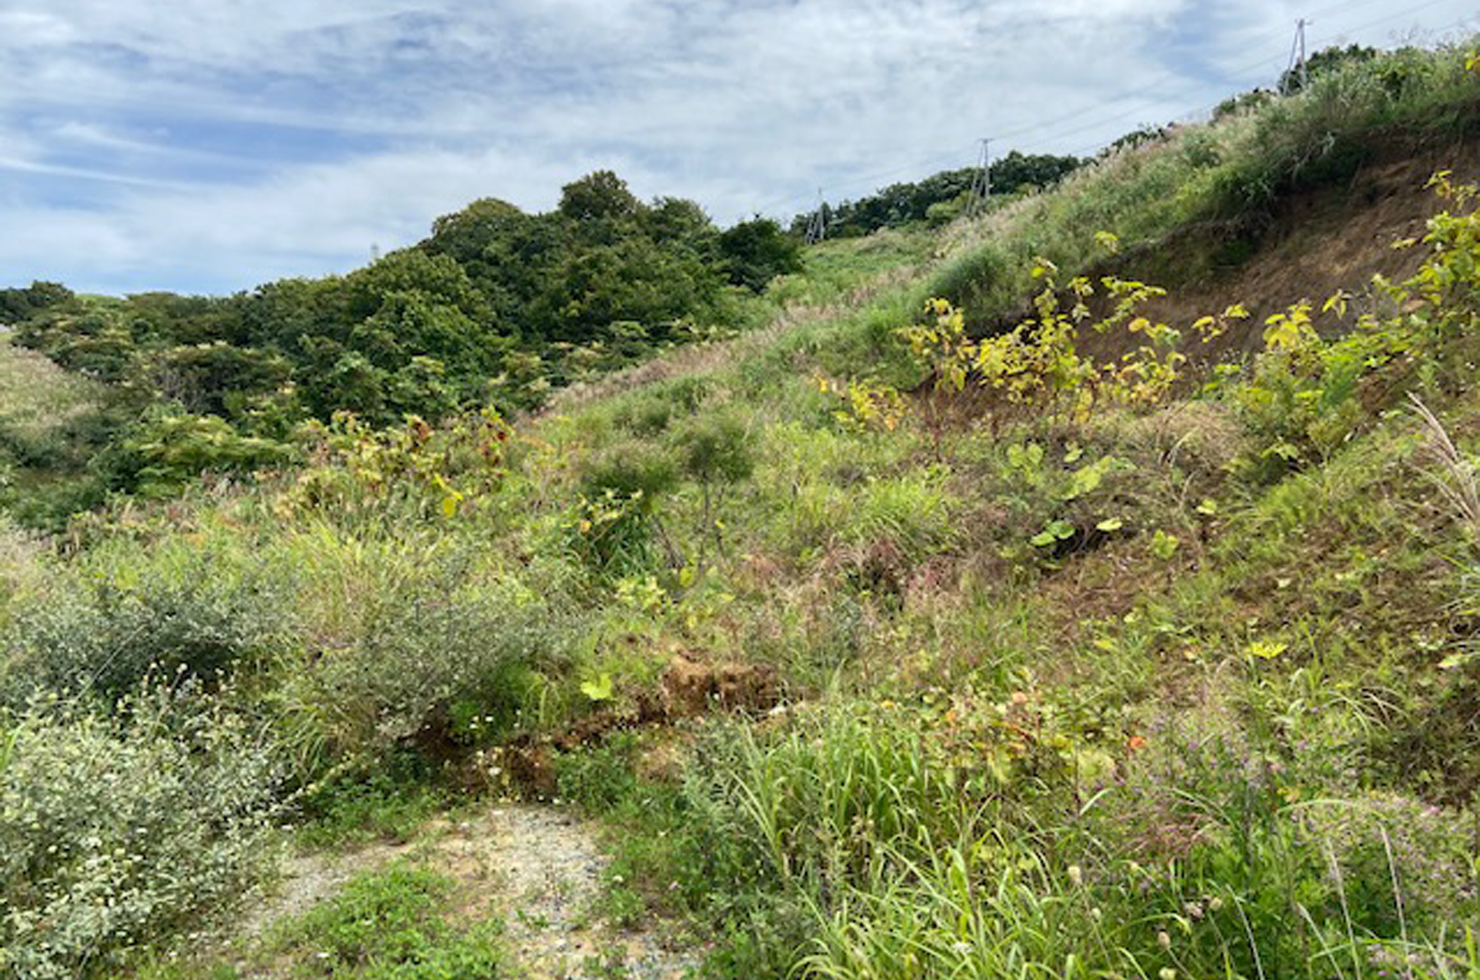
<point x="119" y="831"/>
<point x="389" y="925"/>
<point x="161" y="454"/>
<point x="390" y="804"/>
<point x="600" y="778"/>
<point x="757" y="251"/>
<point x="1324" y="60"/>
<point x="17" y="305"/>
<point x="414" y="662"/>
<point x="1303" y="398"/>
<point x="1154" y="181"/>
<point x="616" y="522"/>
<point x="900" y="204"/>
<point x="1114" y="691"/>
<point x="361" y="476"/>
<point x="942" y="850"/>
<point x="183" y="610"/>
<point x="497" y="306"/>
<point x="1039" y="364"/>
<point x="714" y="449"/>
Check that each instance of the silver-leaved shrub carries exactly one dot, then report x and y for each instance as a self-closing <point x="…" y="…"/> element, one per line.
<point x="118" y="829"/>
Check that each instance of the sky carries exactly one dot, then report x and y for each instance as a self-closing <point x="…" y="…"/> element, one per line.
<point x="208" y="146"/>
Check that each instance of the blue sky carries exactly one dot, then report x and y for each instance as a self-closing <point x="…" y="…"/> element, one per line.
<point x="211" y="145"/>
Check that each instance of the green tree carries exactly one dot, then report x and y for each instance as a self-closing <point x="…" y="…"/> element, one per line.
<point x="600" y="196"/>
<point x="757" y="251"/>
<point x="20" y="304"/>
<point x="1325" y="60"/>
<point x="714" y="451"/>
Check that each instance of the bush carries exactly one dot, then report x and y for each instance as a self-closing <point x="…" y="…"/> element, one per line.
<point x="190" y="612"/>
<point x="159" y="456"/>
<point x="428" y="664"/>
<point x="115" y="830"/>
<point x="616" y="522"/>
<point x="981" y="281"/>
<point x="757" y="251"/>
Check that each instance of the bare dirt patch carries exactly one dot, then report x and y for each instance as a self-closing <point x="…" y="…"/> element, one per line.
<point x="538" y="868"/>
<point x="1311" y="244"/>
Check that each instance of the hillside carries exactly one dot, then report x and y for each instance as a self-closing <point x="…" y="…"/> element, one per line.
<point x="1085" y="588"/>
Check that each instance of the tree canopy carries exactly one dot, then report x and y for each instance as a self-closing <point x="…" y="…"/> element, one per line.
<point x="496" y="305"/>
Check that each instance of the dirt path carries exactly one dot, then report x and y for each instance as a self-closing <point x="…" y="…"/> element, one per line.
<point x="537" y="867"/>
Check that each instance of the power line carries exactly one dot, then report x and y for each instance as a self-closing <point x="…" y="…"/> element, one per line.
<point x="1096" y="147"/>
<point x="1299" y="57"/>
<point x="981" y="181"/>
<point x="1238" y="76"/>
<point x="869" y="180"/>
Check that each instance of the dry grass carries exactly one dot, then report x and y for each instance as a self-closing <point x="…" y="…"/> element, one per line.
<point x="36" y="396"/>
<point x="1454" y="472"/>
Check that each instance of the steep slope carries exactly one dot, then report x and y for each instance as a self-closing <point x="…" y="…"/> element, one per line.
<point x="1305" y="248"/>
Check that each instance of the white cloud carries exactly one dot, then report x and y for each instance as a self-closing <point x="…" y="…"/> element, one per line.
<point x="223" y="142"/>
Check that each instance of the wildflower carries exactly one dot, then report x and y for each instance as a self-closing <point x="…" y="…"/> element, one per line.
<point x="1076" y="875"/>
<point x="1215" y="904"/>
<point x="1164" y="940"/>
<point x="1167" y="973"/>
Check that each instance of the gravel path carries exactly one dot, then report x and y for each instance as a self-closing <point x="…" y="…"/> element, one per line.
<point x="549" y="868"/>
<point x="537" y="867"/>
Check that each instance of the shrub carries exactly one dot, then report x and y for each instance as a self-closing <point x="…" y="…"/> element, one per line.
<point x="985" y="280"/>
<point x="616" y="519"/>
<point x="116" y="830"/>
<point x="191" y="611"/>
<point x="160" y="455"/>
<point x="419" y="661"/>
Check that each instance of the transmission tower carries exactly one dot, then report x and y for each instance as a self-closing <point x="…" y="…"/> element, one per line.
<point x="817" y="226"/>
<point x="1297" y="57"/>
<point x="981" y="184"/>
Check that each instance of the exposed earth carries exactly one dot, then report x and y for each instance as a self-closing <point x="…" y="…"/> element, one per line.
<point x="539" y="868"/>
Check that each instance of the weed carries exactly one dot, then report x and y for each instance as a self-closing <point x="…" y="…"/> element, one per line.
<point x="389" y="925"/>
<point x="391" y="804"/>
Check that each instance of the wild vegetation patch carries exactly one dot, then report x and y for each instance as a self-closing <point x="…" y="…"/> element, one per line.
<point x="962" y="622"/>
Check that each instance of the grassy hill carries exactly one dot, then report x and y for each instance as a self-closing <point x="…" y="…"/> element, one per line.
<point x="1086" y="589"/>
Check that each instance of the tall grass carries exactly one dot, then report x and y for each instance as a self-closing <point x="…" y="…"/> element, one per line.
<point x="1204" y="857"/>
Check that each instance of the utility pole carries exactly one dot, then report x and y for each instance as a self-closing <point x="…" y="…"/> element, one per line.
<point x="1297" y="56"/>
<point x="981" y="184"/>
<point x="817" y="227"/>
<point x="1304" y="70"/>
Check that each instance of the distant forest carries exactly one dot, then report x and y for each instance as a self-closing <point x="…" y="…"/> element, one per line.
<point x="939" y="198"/>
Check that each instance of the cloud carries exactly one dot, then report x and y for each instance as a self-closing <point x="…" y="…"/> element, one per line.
<point x="215" y="144"/>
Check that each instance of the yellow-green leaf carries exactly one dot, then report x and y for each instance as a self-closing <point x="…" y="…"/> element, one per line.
<point x="599" y="689"/>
